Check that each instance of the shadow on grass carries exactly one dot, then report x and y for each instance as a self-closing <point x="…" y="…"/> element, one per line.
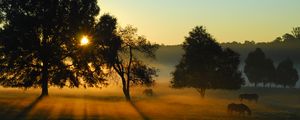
<point x="8" y="110"/>
<point x="23" y="114"/>
<point x="96" y="98"/>
<point x="139" y="111"/>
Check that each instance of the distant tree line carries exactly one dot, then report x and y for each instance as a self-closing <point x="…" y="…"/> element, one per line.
<point x="288" y="45"/>
<point x="260" y="69"/>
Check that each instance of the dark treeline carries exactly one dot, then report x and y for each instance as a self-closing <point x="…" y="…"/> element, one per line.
<point x="283" y="49"/>
<point x="288" y="45"/>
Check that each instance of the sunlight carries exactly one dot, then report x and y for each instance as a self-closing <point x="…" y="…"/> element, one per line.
<point x="84" y="40"/>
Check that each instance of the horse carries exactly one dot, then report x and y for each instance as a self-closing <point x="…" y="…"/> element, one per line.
<point x="249" y="97"/>
<point x="238" y="108"/>
<point x="148" y="92"/>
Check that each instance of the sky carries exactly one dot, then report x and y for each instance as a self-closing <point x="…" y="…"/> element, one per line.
<point x="169" y="21"/>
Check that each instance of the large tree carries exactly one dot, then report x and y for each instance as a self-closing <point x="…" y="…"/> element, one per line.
<point x="120" y="49"/>
<point x="286" y="74"/>
<point x="206" y="65"/>
<point x="258" y="68"/>
<point x="40" y="43"/>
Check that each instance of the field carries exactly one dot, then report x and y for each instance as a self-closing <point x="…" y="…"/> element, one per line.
<point x="166" y="104"/>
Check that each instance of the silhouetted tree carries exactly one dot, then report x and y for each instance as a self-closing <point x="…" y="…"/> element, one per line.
<point x="206" y="65"/>
<point x="296" y="32"/>
<point x="286" y="74"/>
<point x="270" y="72"/>
<point x="277" y="40"/>
<point x="258" y="68"/>
<point x="288" y="37"/>
<point x="40" y="43"/>
<point x="120" y="48"/>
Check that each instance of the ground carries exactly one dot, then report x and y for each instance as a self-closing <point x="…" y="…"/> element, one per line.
<point x="166" y="104"/>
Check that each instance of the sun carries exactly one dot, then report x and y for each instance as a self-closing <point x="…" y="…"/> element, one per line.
<point x="84" y="40"/>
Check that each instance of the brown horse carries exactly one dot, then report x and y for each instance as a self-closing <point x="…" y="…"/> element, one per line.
<point x="249" y="97"/>
<point x="238" y="108"/>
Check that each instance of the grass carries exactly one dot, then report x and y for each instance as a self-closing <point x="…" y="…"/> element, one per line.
<point x="166" y="104"/>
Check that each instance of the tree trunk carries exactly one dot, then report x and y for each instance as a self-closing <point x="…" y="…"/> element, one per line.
<point x="126" y="93"/>
<point x="128" y="98"/>
<point x="127" y="83"/>
<point x="126" y="90"/>
<point x="44" y="80"/>
<point x="201" y="91"/>
<point x="255" y="84"/>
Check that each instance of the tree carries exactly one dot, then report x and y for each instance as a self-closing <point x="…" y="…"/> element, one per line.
<point x="286" y="74"/>
<point x="269" y="72"/>
<point x="206" y="65"/>
<point x="296" y="32"/>
<point x="40" y="43"/>
<point x="288" y="37"/>
<point x="258" y="68"/>
<point x="120" y="48"/>
<point x="277" y="40"/>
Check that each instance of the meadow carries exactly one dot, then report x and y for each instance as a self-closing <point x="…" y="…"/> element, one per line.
<point x="165" y="104"/>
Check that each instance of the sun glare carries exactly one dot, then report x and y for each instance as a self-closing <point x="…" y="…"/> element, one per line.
<point x="84" y="40"/>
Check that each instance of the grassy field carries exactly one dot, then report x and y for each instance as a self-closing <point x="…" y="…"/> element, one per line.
<point x="166" y="104"/>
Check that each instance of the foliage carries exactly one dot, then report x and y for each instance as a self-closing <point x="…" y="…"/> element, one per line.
<point x="206" y="65"/>
<point x="286" y="74"/>
<point x="258" y="68"/>
<point x="40" y="43"/>
<point x="120" y="48"/>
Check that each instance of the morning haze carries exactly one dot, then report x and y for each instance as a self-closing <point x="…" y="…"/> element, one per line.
<point x="149" y="59"/>
<point x="167" y="21"/>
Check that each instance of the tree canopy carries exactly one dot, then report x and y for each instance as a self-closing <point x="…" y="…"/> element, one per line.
<point x="258" y="68"/>
<point x="286" y="74"/>
<point x="39" y="43"/>
<point x="206" y="65"/>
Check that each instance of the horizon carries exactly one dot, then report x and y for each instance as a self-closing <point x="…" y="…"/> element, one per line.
<point x="227" y="21"/>
<point x="149" y="59"/>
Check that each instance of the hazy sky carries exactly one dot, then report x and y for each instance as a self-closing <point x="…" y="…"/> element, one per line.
<point x="168" y="21"/>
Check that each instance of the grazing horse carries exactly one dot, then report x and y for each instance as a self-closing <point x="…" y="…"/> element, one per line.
<point x="249" y="97"/>
<point x="238" y="108"/>
<point x="148" y="92"/>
